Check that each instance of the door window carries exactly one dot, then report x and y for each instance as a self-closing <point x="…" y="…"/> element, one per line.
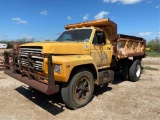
<point x="99" y="38"/>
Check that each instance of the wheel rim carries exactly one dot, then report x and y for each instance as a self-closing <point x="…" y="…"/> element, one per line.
<point x="82" y="88"/>
<point x="138" y="72"/>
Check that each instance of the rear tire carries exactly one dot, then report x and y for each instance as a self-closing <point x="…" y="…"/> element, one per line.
<point x="125" y="69"/>
<point x="79" y="91"/>
<point x="135" y="71"/>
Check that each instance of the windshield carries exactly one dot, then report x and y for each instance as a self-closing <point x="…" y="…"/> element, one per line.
<point x="79" y="35"/>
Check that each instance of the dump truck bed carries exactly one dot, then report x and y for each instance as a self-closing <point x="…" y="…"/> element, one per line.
<point x="129" y="46"/>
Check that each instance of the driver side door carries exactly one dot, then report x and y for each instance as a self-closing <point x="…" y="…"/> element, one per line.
<point x="100" y="50"/>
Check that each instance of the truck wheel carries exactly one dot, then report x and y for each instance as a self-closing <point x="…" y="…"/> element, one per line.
<point x="79" y="91"/>
<point x="135" y="71"/>
<point x="125" y="69"/>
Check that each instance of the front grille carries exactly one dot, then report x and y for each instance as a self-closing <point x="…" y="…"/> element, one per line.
<point x="35" y="53"/>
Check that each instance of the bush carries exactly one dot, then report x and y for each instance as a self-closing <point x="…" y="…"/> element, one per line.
<point x="154" y="45"/>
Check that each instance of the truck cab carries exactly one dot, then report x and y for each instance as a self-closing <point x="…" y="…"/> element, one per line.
<point x="95" y="40"/>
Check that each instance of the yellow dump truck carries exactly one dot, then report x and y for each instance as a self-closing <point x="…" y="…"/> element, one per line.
<point x="84" y="55"/>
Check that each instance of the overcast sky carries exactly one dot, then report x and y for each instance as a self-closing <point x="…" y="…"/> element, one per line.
<point x="45" y="19"/>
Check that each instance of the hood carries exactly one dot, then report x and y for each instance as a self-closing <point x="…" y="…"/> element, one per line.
<point x="61" y="47"/>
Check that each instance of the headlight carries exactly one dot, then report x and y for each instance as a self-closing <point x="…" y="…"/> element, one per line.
<point x="58" y="68"/>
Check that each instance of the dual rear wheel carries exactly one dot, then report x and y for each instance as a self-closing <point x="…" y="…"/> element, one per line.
<point x="132" y="70"/>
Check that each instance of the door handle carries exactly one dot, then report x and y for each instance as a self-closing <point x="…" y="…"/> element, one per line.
<point x="108" y="48"/>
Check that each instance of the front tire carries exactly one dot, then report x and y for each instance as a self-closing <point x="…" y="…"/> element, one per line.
<point x="135" y="71"/>
<point x="79" y="91"/>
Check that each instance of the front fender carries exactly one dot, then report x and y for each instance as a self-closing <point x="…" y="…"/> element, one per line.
<point x="68" y="63"/>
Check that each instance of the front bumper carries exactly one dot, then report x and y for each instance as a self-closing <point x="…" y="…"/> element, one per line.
<point x="15" y="70"/>
<point x="33" y="83"/>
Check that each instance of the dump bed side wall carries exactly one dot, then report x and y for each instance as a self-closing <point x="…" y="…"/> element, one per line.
<point x="127" y="47"/>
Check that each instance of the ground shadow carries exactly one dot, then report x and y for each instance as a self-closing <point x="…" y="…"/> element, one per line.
<point x="99" y="90"/>
<point x="53" y="103"/>
<point x="118" y="78"/>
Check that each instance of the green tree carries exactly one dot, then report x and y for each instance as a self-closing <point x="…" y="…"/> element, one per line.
<point x="154" y="44"/>
<point x="157" y="44"/>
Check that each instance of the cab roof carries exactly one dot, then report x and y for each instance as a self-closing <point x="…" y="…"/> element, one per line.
<point x="106" y="24"/>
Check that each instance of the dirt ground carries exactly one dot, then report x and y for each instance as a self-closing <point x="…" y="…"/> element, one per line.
<point x="120" y="100"/>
